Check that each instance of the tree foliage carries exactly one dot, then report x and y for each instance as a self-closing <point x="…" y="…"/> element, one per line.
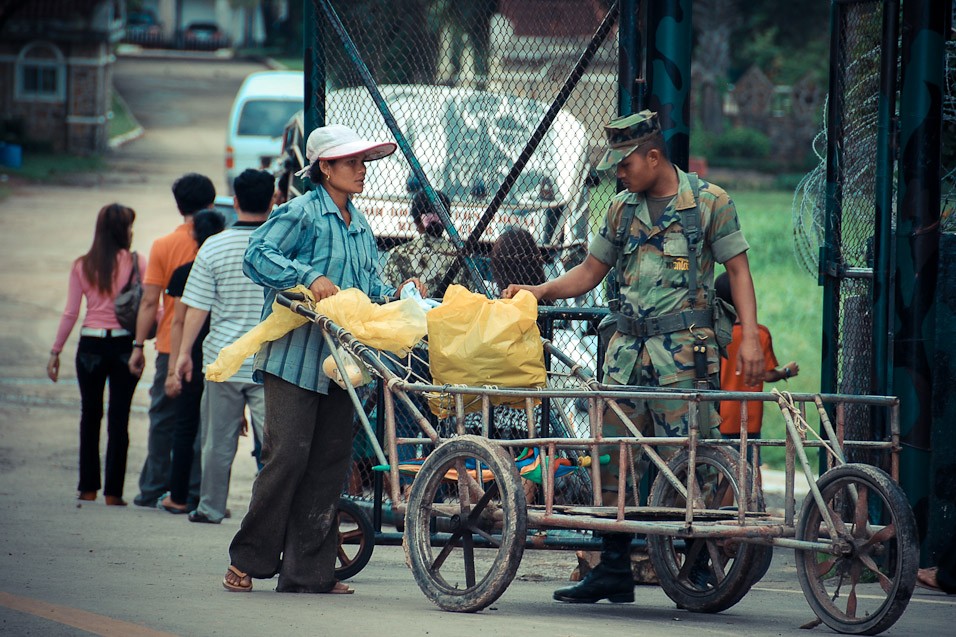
<point x="786" y="40"/>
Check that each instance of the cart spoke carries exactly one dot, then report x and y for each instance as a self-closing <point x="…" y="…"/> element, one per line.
<point x="851" y="602"/>
<point x="717" y="562"/>
<point x="839" y="526"/>
<point x="824" y="567"/>
<point x="468" y="548"/>
<point x="344" y="558"/>
<point x="479" y="506"/>
<point x="690" y="556"/>
<point x="494" y="541"/>
<point x="445" y="551"/>
<point x="350" y="536"/>
<point x="851" y="599"/>
<point x="885" y="582"/>
<point x="888" y="532"/>
<point x="862" y="511"/>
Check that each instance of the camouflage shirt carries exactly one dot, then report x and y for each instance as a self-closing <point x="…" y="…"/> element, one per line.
<point x="426" y="257"/>
<point x="656" y="273"/>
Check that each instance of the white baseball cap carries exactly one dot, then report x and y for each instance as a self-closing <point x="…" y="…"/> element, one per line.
<point x="336" y="141"/>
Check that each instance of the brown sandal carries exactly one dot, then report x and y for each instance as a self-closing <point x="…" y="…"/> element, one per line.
<point x="245" y="582"/>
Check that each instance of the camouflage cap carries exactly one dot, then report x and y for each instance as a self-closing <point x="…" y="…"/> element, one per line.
<point x="625" y="134"/>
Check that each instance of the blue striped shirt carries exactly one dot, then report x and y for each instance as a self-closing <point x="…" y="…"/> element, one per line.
<point x="302" y="240"/>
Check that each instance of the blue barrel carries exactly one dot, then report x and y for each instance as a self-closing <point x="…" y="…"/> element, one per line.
<point x="11" y="155"/>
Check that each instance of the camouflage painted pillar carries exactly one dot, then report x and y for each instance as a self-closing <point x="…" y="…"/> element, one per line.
<point x="630" y="86"/>
<point x="669" y="37"/>
<point x="942" y="468"/>
<point x="917" y="241"/>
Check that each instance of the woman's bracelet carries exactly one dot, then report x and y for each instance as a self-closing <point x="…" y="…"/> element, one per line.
<point x="52" y="353"/>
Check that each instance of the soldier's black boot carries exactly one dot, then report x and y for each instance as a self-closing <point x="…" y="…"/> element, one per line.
<point x="611" y="579"/>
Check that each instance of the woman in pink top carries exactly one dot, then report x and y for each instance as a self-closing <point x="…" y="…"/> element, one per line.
<point x="103" y="351"/>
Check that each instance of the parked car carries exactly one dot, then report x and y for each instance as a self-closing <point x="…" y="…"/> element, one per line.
<point x="466" y="141"/>
<point x="263" y="105"/>
<point x="205" y="36"/>
<point x="144" y="29"/>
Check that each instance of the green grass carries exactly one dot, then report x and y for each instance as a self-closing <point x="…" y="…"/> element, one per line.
<point x="122" y="121"/>
<point x="46" y="166"/>
<point x="290" y="63"/>
<point x="789" y="301"/>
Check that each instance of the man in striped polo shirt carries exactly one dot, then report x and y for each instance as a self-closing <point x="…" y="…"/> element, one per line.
<point x="217" y="288"/>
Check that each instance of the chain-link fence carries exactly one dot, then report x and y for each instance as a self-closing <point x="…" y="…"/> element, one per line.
<point x="846" y="230"/>
<point x="862" y="34"/>
<point x="501" y="106"/>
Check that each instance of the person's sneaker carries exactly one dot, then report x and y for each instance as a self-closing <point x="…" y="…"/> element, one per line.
<point x="617" y="588"/>
<point x="196" y="516"/>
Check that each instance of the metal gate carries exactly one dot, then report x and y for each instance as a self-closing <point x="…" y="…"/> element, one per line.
<point x="497" y="105"/>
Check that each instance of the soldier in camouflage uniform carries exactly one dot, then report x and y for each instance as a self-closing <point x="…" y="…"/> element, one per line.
<point x="657" y="320"/>
<point x="429" y="255"/>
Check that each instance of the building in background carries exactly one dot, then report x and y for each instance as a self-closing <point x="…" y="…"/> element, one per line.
<point x="56" y="67"/>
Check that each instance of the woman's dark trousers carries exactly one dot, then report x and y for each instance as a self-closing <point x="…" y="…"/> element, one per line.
<point x="306" y="449"/>
<point x="99" y="360"/>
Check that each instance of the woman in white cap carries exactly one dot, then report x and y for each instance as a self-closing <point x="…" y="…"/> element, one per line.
<point x="322" y="241"/>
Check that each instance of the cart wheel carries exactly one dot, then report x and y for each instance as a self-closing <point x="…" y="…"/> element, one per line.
<point x="864" y="588"/>
<point x="705" y="575"/>
<point x="486" y="521"/>
<point x="356" y="540"/>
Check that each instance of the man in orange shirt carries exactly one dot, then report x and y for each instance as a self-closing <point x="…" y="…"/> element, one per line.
<point x="193" y="192"/>
<point x="730" y="380"/>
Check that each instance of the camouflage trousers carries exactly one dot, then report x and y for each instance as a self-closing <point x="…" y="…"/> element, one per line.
<point x="661" y="418"/>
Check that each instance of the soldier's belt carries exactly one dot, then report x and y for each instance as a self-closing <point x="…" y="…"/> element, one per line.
<point x="664" y="324"/>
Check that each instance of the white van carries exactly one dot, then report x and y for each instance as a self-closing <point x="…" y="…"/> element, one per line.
<point x="263" y="105"/>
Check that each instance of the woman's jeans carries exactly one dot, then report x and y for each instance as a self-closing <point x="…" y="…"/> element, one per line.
<point x="99" y="360"/>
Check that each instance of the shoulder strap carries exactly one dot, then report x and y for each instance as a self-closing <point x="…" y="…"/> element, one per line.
<point x="134" y="271"/>
<point x="620" y="238"/>
<point x="690" y="220"/>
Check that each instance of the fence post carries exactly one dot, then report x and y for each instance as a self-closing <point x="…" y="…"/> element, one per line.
<point x="313" y="59"/>
<point x="630" y="85"/>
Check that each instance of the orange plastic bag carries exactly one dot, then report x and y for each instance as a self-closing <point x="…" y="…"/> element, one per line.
<point x="473" y="340"/>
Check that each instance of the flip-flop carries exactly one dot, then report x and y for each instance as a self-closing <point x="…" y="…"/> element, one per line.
<point x="240" y="588"/>
<point x="340" y="588"/>
<point x="162" y="506"/>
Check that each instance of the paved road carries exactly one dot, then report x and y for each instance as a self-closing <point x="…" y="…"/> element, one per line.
<point x="69" y="570"/>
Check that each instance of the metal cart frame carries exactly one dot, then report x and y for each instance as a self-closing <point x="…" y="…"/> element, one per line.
<point x="466" y="516"/>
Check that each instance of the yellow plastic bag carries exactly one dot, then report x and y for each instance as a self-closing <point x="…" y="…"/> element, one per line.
<point x="473" y="340"/>
<point x="395" y="327"/>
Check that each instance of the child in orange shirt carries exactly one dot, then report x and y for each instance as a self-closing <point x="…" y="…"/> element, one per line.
<point x="730" y="410"/>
